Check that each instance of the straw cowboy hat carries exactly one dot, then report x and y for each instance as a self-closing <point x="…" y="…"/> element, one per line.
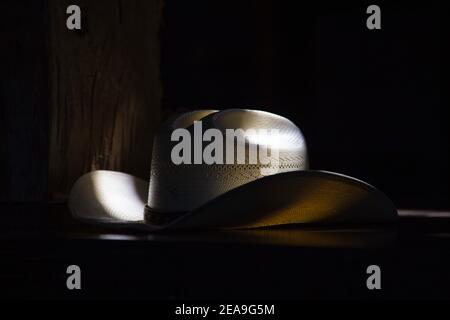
<point x="203" y="194"/>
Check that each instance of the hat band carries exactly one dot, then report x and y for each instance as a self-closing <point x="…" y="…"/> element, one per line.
<point x="159" y="218"/>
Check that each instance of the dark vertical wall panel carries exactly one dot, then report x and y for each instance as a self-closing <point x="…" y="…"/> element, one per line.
<point x="105" y="89"/>
<point x="378" y="111"/>
<point x="23" y="101"/>
<point x="368" y="101"/>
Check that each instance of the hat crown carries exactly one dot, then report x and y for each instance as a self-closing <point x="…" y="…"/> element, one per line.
<point x="186" y="186"/>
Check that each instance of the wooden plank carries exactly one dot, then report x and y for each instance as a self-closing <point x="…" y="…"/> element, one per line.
<point x="105" y="89"/>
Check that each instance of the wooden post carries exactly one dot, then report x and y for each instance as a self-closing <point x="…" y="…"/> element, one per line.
<point x="105" y="89"/>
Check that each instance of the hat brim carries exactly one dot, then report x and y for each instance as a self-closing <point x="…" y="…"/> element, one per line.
<point x="296" y="197"/>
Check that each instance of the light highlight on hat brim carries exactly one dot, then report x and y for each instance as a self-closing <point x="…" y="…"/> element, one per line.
<point x="109" y="196"/>
<point x="298" y="197"/>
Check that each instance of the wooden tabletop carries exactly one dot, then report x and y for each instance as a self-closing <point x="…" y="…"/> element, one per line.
<point x="39" y="242"/>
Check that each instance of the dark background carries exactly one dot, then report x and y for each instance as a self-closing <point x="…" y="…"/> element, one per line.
<point x="370" y="103"/>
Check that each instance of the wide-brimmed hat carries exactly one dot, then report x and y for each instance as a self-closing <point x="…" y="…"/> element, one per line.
<point x="201" y="179"/>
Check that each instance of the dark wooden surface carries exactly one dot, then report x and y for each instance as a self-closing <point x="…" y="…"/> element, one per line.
<point x="23" y="101"/>
<point x="276" y="264"/>
<point x="105" y="89"/>
<point x="76" y="101"/>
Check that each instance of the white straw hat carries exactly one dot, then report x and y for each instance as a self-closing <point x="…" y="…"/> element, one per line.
<point x="278" y="191"/>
